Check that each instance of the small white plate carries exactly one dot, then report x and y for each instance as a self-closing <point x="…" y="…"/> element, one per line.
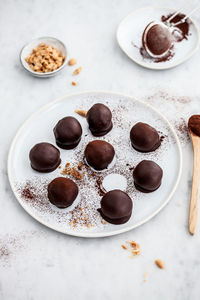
<point x="129" y="37"/>
<point x="126" y="112"/>
<point x="28" y="48"/>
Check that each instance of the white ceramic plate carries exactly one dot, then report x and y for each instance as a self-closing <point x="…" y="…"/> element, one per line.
<point x="129" y="36"/>
<point x="28" y="48"/>
<point x="126" y="112"/>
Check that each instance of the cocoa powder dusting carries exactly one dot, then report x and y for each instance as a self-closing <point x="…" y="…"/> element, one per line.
<point x="194" y="124"/>
<point x="175" y="108"/>
<point x="168" y="98"/>
<point x="27" y="192"/>
<point x="130" y="167"/>
<point x="183" y="28"/>
<point x="4" y="252"/>
<point x="12" y="244"/>
<point x="84" y="214"/>
<point x="182" y="130"/>
<point x="101" y="192"/>
<point x="179" y="33"/>
<point x="164" y="58"/>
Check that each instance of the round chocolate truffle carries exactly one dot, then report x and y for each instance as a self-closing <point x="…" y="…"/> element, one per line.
<point x="144" y="138"/>
<point x="116" y="207"/>
<point x="68" y="133"/>
<point x="44" y="157"/>
<point x="147" y="176"/>
<point x="99" y="154"/>
<point x="62" y="192"/>
<point x="99" y="118"/>
<point x="157" y="39"/>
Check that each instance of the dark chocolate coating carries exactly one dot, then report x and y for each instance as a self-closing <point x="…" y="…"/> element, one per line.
<point x="62" y="192"/>
<point x="144" y="138"/>
<point x="147" y="176"/>
<point x="68" y="133"/>
<point x="44" y="157"/>
<point x="99" y="154"/>
<point x="116" y="207"/>
<point x="158" y="39"/>
<point x="99" y="118"/>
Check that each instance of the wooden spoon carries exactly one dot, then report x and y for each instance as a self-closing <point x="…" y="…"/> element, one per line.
<point x="193" y="217"/>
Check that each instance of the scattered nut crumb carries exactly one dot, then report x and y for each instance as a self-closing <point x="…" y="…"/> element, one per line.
<point x="132" y="243"/>
<point x="159" y="263"/>
<point x="81" y="112"/>
<point x="124" y="247"/>
<point x="145" y="276"/>
<point x="72" y="62"/>
<point x="80" y="166"/>
<point x="74" y="83"/>
<point x="103" y="221"/>
<point x="77" y="71"/>
<point x="45" y="58"/>
<point x="59" y="167"/>
<point x="72" y="171"/>
<point x="133" y="247"/>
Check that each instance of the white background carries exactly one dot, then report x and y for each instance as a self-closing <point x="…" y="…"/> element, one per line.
<point x="42" y="264"/>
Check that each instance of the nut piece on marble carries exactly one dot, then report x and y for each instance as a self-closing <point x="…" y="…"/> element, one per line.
<point x="72" y="62"/>
<point x="159" y="263"/>
<point x="77" y="71"/>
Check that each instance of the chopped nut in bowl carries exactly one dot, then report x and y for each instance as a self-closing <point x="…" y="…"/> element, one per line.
<point x="44" y="57"/>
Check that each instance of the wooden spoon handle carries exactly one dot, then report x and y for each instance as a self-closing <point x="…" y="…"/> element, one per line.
<point x="193" y="217"/>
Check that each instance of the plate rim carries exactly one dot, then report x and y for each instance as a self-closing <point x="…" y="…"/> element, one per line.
<point x="92" y="234"/>
<point x="157" y="66"/>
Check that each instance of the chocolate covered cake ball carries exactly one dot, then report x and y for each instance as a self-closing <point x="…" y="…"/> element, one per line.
<point x="62" y="192"/>
<point x="99" y="154"/>
<point x="99" y="118"/>
<point x="157" y="39"/>
<point x="44" y="157"/>
<point x="68" y="133"/>
<point x="116" y="207"/>
<point x="147" y="176"/>
<point x="144" y="138"/>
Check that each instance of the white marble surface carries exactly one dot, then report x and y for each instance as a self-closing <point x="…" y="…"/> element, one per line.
<point x="42" y="264"/>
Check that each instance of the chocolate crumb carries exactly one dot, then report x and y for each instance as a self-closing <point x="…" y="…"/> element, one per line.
<point x="162" y="138"/>
<point x="101" y="192"/>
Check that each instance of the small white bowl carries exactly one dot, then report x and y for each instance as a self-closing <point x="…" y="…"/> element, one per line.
<point x="27" y="49"/>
